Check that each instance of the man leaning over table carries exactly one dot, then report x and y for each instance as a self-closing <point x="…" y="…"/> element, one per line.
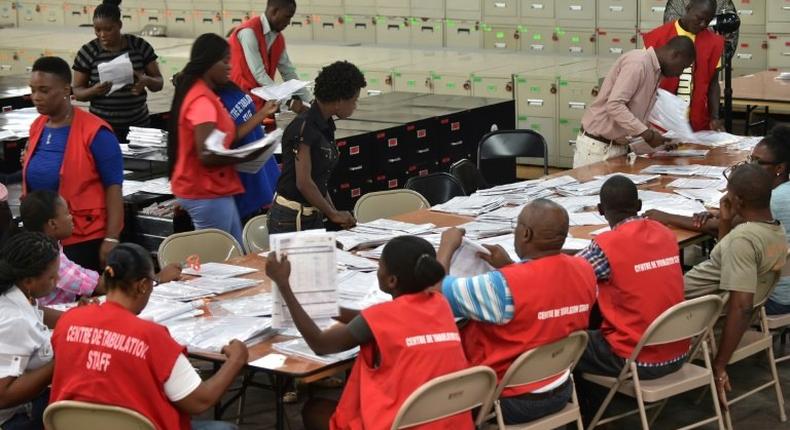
<point x="626" y="98"/>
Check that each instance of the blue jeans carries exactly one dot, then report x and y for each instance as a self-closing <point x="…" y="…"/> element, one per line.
<point x="776" y="308"/>
<point x="526" y="408"/>
<point x="213" y="425"/>
<point x="29" y="418"/>
<point x="220" y="213"/>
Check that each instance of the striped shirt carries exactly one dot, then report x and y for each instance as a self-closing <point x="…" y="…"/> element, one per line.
<point x="486" y="298"/>
<point x="596" y="257"/>
<point x="120" y="109"/>
<point x="73" y="280"/>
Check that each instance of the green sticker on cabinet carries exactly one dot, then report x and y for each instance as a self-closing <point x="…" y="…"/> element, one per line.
<point x="535" y="127"/>
<point x="563" y="83"/>
<point x="520" y="80"/>
<point x="575" y="39"/>
<point x="373" y="81"/>
<point x="491" y="88"/>
<point x="477" y="79"/>
<point x="450" y="23"/>
<point x="411" y="83"/>
<point x="451" y="85"/>
<point x="534" y="89"/>
<point x="522" y="117"/>
<point x="537" y="36"/>
<point x="500" y="34"/>
<point x="563" y="121"/>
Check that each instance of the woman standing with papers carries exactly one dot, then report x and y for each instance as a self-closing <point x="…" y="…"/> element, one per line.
<point x="127" y="106"/>
<point x="205" y="182"/>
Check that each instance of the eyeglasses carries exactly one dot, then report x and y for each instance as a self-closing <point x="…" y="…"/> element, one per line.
<point x="751" y="160"/>
<point x="728" y="171"/>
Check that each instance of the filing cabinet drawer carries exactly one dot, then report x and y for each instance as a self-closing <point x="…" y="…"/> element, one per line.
<point x="752" y="14"/>
<point x="651" y="13"/>
<point x="617" y="13"/>
<point x="393" y="7"/>
<point x="451" y="85"/>
<point x="536" y="97"/>
<point x="301" y="28"/>
<point x="464" y="9"/>
<point x="360" y="7"/>
<point x="359" y="29"/>
<point x="392" y="31"/>
<point x="500" y="8"/>
<point x="379" y="81"/>
<point x="615" y="43"/>
<point x="497" y="88"/>
<point x="567" y="131"/>
<point x="575" y="10"/>
<point x="426" y="33"/>
<point x="428" y="8"/>
<point x="327" y="28"/>
<point x="537" y="11"/>
<point x="74" y="15"/>
<point x="538" y="40"/>
<point x="179" y="20"/>
<point x="777" y="13"/>
<point x="411" y="82"/>
<point x="575" y="98"/>
<point x="577" y="43"/>
<point x="546" y="128"/>
<point x="504" y="38"/>
<point x="752" y="52"/>
<point x="778" y="51"/>
<point x="208" y="21"/>
<point x="462" y="34"/>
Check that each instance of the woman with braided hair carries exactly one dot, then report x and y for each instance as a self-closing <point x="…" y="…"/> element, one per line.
<point x="28" y="270"/>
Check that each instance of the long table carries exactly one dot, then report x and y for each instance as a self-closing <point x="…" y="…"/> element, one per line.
<point x="760" y="90"/>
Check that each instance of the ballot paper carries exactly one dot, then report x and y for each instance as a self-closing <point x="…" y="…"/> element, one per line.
<point x="479" y="229"/>
<point x="219" y="270"/>
<point x="280" y="92"/>
<point x="349" y="261"/>
<point x="147" y="137"/>
<point x="687" y="170"/>
<point x="179" y="291"/>
<point x="675" y="205"/>
<point x="160" y="310"/>
<point x="589" y="188"/>
<point x="473" y="205"/>
<point x="254" y="166"/>
<point x="378" y="232"/>
<point x="503" y="215"/>
<point x="257" y="305"/>
<point x="575" y="244"/>
<point x="709" y="197"/>
<point x="586" y="218"/>
<point x="313" y="274"/>
<point x="636" y="179"/>
<point x="119" y="71"/>
<point x="212" y="333"/>
<point x="692" y="183"/>
<point x="466" y="262"/>
<point x="574" y="204"/>
<point x="681" y="153"/>
<point x="670" y="114"/>
<point x="215" y="143"/>
<point x="359" y="290"/>
<point x="221" y="285"/>
<point x="299" y="348"/>
<point x="506" y="242"/>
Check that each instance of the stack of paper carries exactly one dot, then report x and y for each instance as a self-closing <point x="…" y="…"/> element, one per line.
<point x="279" y="92"/>
<point x="675" y="205"/>
<point x="687" y="170"/>
<point x="481" y="229"/>
<point x="299" y="348"/>
<point x="709" y="197"/>
<point x="470" y="205"/>
<point x="160" y="310"/>
<point x="577" y="203"/>
<point x="221" y="285"/>
<point x="153" y="186"/>
<point x="575" y="244"/>
<point x="636" y="179"/>
<point x="590" y="188"/>
<point x="359" y="290"/>
<point x="16" y="123"/>
<point x="215" y="144"/>
<point x="213" y="333"/>
<point x="681" y="153"/>
<point x="179" y="291"/>
<point x="313" y="274"/>
<point x="349" y="261"/>
<point x="147" y="137"/>
<point x="506" y="242"/>
<point x="259" y="305"/>
<point x="504" y="215"/>
<point x="219" y="270"/>
<point x="378" y="232"/>
<point x="586" y="218"/>
<point x="689" y="183"/>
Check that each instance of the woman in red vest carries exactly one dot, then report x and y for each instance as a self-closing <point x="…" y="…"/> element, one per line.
<point x="392" y="361"/>
<point x="76" y="154"/>
<point x="205" y="183"/>
<point x="106" y="354"/>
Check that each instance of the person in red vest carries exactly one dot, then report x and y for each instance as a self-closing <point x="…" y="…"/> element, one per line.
<point x="699" y="84"/>
<point x="394" y="357"/>
<point x="520" y="306"/>
<point x="74" y="153"/>
<point x="205" y="183"/>
<point x="106" y="354"/>
<point x="637" y="265"/>
<point x="258" y="52"/>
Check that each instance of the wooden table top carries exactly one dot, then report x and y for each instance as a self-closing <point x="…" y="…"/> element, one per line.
<point x="761" y="87"/>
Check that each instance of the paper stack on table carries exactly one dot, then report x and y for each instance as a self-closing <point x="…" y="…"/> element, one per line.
<point x="359" y="290"/>
<point x="153" y="186"/>
<point x="258" y="305"/>
<point x="160" y="310"/>
<point x="503" y="215"/>
<point x="709" y="197"/>
<point x="221" y="285"/>
<point x="179" y="291"/>
<point x="691" y="183"/>
<point x="577" y="203"/>
<point x="313" y="274"/>
<point x="213" y="333"/>
<point x="589" y="188"/>
<point x="687" y="170"/>
<point x="470" y="205"/>
<point x="636" y="179"/>
<point x="280" y="92"/>
<point x="349" y="261"/>
<point x="575" y="244"/>
<point x="119" y="71"/>
<point x="681" y="153"/>
<point x="16" y="123"/>
<point x="148" y="137"/>
<point x="586" y="218"/>
<point x="299" y="348"/>
<point x="219" y="270"/>
<point x="675" y="205"/>
<point x="377" y="232"/>
<point x="479" y="229"/>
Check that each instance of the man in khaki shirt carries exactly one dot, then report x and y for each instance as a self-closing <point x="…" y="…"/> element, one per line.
<point x="626" y="98"/>
<point x="747" y="259"/>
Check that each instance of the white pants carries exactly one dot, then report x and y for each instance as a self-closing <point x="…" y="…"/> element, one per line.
<point x="589" y="151"/>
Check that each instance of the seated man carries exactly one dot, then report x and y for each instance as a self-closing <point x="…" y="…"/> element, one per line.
<point x="637" y="264"/>
<point x="747" y="258"/>
<point x="523" y="305"/>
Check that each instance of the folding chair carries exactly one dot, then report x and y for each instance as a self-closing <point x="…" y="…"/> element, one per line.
<point x="691" y="319"/>
<point x="69" y="415"/>
<point x="779" y="324"/>
<point x="256" y="235"/>
<point x="505" y="146"/>
<point x="446" y="396"/>
<point x="536" y="365"/>
<point x="437" y="187"/>
<point x="384" y="204"/>
<point x="466" y="172"/>
<point x="211" y="245"/>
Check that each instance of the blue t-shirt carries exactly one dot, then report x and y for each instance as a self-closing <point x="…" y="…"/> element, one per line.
<point x="43" y="171"/>
<point x="780" y="208"/>
<point x="259" y="187"/>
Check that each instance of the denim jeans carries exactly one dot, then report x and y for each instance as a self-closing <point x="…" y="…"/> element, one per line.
<point x="220" y="213"/>
<point x="776" y="308"/>
<point x="523" y="409"/>
<point x="213" y="425"/>
<point x="31" y="417"/>
<point x="283" y="220"/>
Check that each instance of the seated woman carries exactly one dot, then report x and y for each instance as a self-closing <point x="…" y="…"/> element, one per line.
<point x="28" y="271"/>
<point x="377" y="387"/>
<point x="772" y="154"/>
<point x="75" y="154"/>
<point x="46" y="212"/>
<point x="205" y="183"/>
<point x="154" y="377"/>
<point x="127" y="106"/>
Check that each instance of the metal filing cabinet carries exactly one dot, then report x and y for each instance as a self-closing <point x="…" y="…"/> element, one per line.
<point x="536" y="96"/>
<point x="778" y="51"/>
<point x="777" y="16"/>
<point x="328" y="28"/>
<point x="538" y="40"/>
<point x="360" y="7"/>
<point x="578" y="86"/>
<point x="208" y="18"/>
<point x="326" y="7"/>
<point x="651" y="14"/>
<point x="462" y="34"/>
<point x="752" y="14"/>
<point x="500" y="11"/>
<point x="300" y="29"/>
<point x="617" y="14"/>
<point x="577" y="13"/>
<point x="234" y="13"/>
<point x="359" y="29"/>
<point x="500" y="37"/>
<point x="615" y="43"/>
<point x="428" y="8"/>
<point x="40" y="13"/>
<point x="576" y="42"/>
<point x="8" y="16"/>
<point x="567" y="131"/>
<point x="426" y="32"/>
<point x="752" y="53"/>
<point x="451" y="84"/>
<point x="393" y="7"/>
<point x="75" y="14"/>
<point x="539" y="12"/>
<point x="547" y="128"/>
<point x="494" y="83"/>
<point x="392" y="31"/>
<point x="464" y="9"/>
<point x="153" y="13"/>
<point x="179" y="19"/>
<point x="26" y="12"/>
<point x="412" y="81"/>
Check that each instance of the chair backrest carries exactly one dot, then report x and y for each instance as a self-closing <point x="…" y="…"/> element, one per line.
<point x="511" y="144"/>
<point x="69" y="415"/>
<point x="446" y="396"/>
<point x="466" y="172"/>
<point x="437" y="187"/>
<point x="383" y="204"/>
<point x="685" y="320"/>
<point x="211" y="245"/>
<point x="256" y="235"/>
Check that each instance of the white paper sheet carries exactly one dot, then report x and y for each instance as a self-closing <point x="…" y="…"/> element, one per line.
<point x="678" y="153"/>
<point x="119" y="71"/>
<point x="219" y="270"/>
<point x="691" y="183"/>
<point x="215" y="144"/>
<point x="300" y="348"/>
<point x="575" y="244"/>
<point x="669" y="113"/>
<point x="254" y="166"/>
<point x="586" y="218"/>
<point x="280" y="92"/>
<point x="466" y="262"/>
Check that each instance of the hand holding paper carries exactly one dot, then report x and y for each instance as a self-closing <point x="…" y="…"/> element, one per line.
<point x="119" y="72"/>
<point x="280" y="92"/>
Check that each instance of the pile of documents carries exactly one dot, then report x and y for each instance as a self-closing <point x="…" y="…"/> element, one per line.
<point x="213" y="333"/>
<point x="147" y="137"/>
<point x="473" y="205"/>
<point x="577" y="203"/>
<point x="280" y="92"/>
<point x="359" y="290"/>
<point x="160" y="310"/>
<point x="466" y="261"/>
<point x="118" y="71"/>
<point x="674" y="204"/>
<point x="152" y="186"/>
<point x="710" y="197"/>
<point x="691" y="183"/>
<point x="586" y="218"/>
<point x="215" y="144"/>
<point x="378" y="232"/>
<point x="715" y="172"/>
<point x="299" y="348"/>
<point x="349" y="261"/>
<point x="258" y="305"/>
<point x="184" y="291"/>
<point x="16" y="123"/>
<point x="219" y="270"/>
<point x="504" y="215"/>
<point x="479" y="229"/>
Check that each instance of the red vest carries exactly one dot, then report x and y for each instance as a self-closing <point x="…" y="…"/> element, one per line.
<point x="81" y="184"/>
<point x="416" y="340"/>
<point x="646" y="280"/>
<point x="191" y="179"/>
<point x="709" y="47"/>
<point x="552" y="297"/>
<point x="107" y="355"/>
<point x="239" y="71"/>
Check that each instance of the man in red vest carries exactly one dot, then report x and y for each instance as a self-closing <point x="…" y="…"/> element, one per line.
<point x="257" y="52"/>
<point x="520" y="306"/>
<point x="698" y="84"/>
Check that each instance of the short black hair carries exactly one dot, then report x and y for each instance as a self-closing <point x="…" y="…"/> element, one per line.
<point x="37" y="208"/>
<point x="619" y="194"/>
<point x="752" y="184"/>
<point x="281" y="3"/>
<point x="412" y="260"/>
<point x="682" y="45"/>
<point x="709" y="4"/>
<point x="108" y="9"/>
<point x="778" y="143"/>
<point x="127" y="263"/>
<point x="26" y="255"/>
<point x="54" y="65"/>
<point x="338" y="81"/>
